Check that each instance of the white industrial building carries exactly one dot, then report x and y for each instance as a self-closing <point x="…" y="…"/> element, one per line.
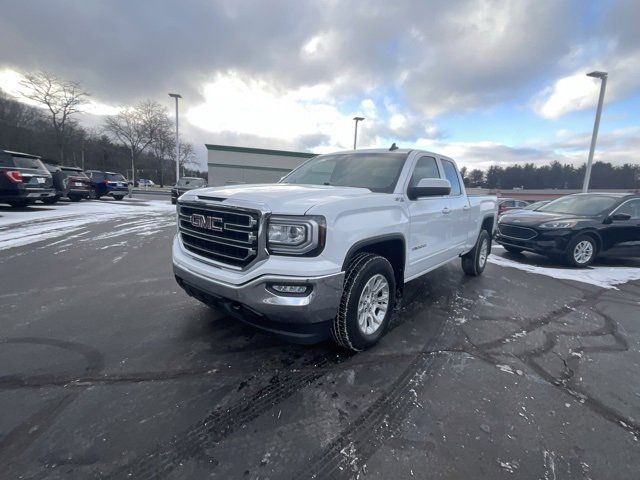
<point x="232" y="165"/>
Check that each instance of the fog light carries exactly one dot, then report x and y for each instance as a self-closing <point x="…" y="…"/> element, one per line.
<point x="290" y="288"/>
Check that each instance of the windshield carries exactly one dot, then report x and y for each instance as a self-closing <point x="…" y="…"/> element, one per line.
<point x="115" y="177"/>
<point x="73" y="173"/>
<point x="580" y="205"/>
<point x="378" y="172"/>
<point x="191" y="182"/>
<point x="26" y="162"/>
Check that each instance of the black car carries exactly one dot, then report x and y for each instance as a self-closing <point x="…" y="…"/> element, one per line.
<point x="185" y="184"/>
<point x="58" y="183"/>
<point x="108" y="184"/>
<point x="576" y="228"/>
<point x="23" y="179"/>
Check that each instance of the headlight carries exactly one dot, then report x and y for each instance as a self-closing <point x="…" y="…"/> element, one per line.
<point x="295" y="235"/>
<point x="559" y="224"/>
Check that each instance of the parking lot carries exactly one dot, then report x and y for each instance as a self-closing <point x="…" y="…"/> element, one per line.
<point x="109" y="370"/>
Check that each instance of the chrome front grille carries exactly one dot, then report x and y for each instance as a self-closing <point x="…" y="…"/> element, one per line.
<point x="514" y="231"/>
<point x="225" y="234"/>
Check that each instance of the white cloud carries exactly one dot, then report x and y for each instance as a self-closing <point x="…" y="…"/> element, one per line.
<point x="11" y="82"/>
<point x="252" y="107"/>
<point x="575" y="92"/>
<point x="578" y="92"/>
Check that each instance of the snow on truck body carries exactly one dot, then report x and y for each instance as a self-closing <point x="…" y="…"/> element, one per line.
<point x="327" y="249"/>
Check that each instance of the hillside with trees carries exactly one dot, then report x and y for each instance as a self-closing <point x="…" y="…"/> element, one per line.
<point x="52" y="130"/>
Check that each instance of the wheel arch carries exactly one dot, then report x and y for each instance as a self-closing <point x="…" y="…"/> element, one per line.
<point x="595" y="236"/>
<point x="390" y="246"/>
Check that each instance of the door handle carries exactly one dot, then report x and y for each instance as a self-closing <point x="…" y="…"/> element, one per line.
<point x="446" y="210"/>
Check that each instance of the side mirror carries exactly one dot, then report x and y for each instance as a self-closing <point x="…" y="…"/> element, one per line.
<point x="620" y="217"/>
<point x="429" y="187"/>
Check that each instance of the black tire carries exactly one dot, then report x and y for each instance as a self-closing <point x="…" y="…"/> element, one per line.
<point x="511" y="249"/>
<point x="173" y="201"/>
<point x="474" y="262"/>
<point x="75" y="198"/>
<point x="118" y="197"/>
<point x="586" y="244"/>
<point x="18" y="203"/>
<point x="346" y="332"/>
<point x="94" y="195"/>
<point x="50" y="200"/>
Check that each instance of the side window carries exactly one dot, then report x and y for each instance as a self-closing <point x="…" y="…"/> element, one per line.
<point x="632" y="207"/>
<point x="451" y="174"/>
<point x="426" y="167"/>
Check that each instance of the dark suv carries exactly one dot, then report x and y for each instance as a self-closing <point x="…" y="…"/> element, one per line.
<point x="23" y="179"/>
<point x="576" y="228"/>
<point x="108" y="184"/>
<point x="76" y="183"/>
<point x="184" y="185"/>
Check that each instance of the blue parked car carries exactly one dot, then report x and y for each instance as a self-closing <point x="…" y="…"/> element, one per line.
<point x="107" y="184"/>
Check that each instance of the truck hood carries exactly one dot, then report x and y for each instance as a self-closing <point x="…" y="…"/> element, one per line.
<point x="280" y="198"/>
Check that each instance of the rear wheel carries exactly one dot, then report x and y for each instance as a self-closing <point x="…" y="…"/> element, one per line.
<point x="581" y="251"/>
<point x="367" y="302"/>
<point x="473" y="262"/>
<point x="50" y="200"/>
<point x="94" y="195"/>
<point x="173" y="201"/>
<point x="118" y="197"/>
<point x="512" y="249"/>
<point x="75" y="198"/>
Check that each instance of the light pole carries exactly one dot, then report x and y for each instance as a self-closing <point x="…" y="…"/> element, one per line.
<point x="177" y="96"/>
<point x="603" y="85"/>
<point x="355" y="134"/>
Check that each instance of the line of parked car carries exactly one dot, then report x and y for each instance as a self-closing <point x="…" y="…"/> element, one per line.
<point x="25" y="179"/>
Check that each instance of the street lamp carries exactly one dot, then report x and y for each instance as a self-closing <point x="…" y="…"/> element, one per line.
<point x="355" y="135"/>
<point x="177" y="96"/>
<point x="603" y="85"/>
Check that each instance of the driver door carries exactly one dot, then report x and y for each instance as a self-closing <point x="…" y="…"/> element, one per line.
<point x="623" y="236"/>
<point x="428" y="243"/>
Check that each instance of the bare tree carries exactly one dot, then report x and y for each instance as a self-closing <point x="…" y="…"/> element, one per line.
<point x="187" y="155"/>
<point x="163" y="147"/>
<point x="62" y="98"/>
<point x="137" y="128"/>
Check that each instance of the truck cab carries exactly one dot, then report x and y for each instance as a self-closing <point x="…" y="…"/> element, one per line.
<point x="327" y="250"/>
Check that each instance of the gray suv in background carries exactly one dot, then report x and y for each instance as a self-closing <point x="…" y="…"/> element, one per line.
<point x="184" y="185"/>
<point x="23" y="179"/>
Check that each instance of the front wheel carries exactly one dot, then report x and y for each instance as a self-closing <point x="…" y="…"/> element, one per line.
<point x="581" y="251"/>
<point x="367" y="302"/>
<point x="473" y="262"/>
<point x="50" y="200"/>
<point x="94" y="195"/>
<point x="118" y="197"/>
<point x="75" y="198"/>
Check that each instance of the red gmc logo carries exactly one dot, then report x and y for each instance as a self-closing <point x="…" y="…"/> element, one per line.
<point x="208" y="223"/>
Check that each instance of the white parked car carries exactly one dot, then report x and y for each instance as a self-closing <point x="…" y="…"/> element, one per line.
<point x="327" y="250"/>
<point x="143" y="182"/>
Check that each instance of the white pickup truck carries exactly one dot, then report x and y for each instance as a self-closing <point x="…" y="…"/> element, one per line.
<point x="327" y="250"/>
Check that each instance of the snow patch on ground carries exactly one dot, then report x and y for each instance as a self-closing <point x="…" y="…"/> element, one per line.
<point x="30" y="226"/>
<point x="603" y="277"/>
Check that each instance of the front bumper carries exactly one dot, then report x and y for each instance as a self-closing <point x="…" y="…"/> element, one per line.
<point x="552" y="242"/>
<point x="117" y="193"/>
<point x="298" y="318"/>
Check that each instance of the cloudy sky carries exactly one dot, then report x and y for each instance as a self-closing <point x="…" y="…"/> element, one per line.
<point x="487" y="82"/>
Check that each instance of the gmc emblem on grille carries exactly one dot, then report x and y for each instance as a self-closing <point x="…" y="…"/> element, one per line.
<point x="208" y="223"/>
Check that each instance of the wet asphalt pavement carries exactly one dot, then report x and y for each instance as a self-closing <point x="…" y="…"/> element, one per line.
<point x="109" y="370"/>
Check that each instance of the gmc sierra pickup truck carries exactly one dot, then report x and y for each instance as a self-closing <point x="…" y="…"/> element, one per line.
<point x="327" y="250"/>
